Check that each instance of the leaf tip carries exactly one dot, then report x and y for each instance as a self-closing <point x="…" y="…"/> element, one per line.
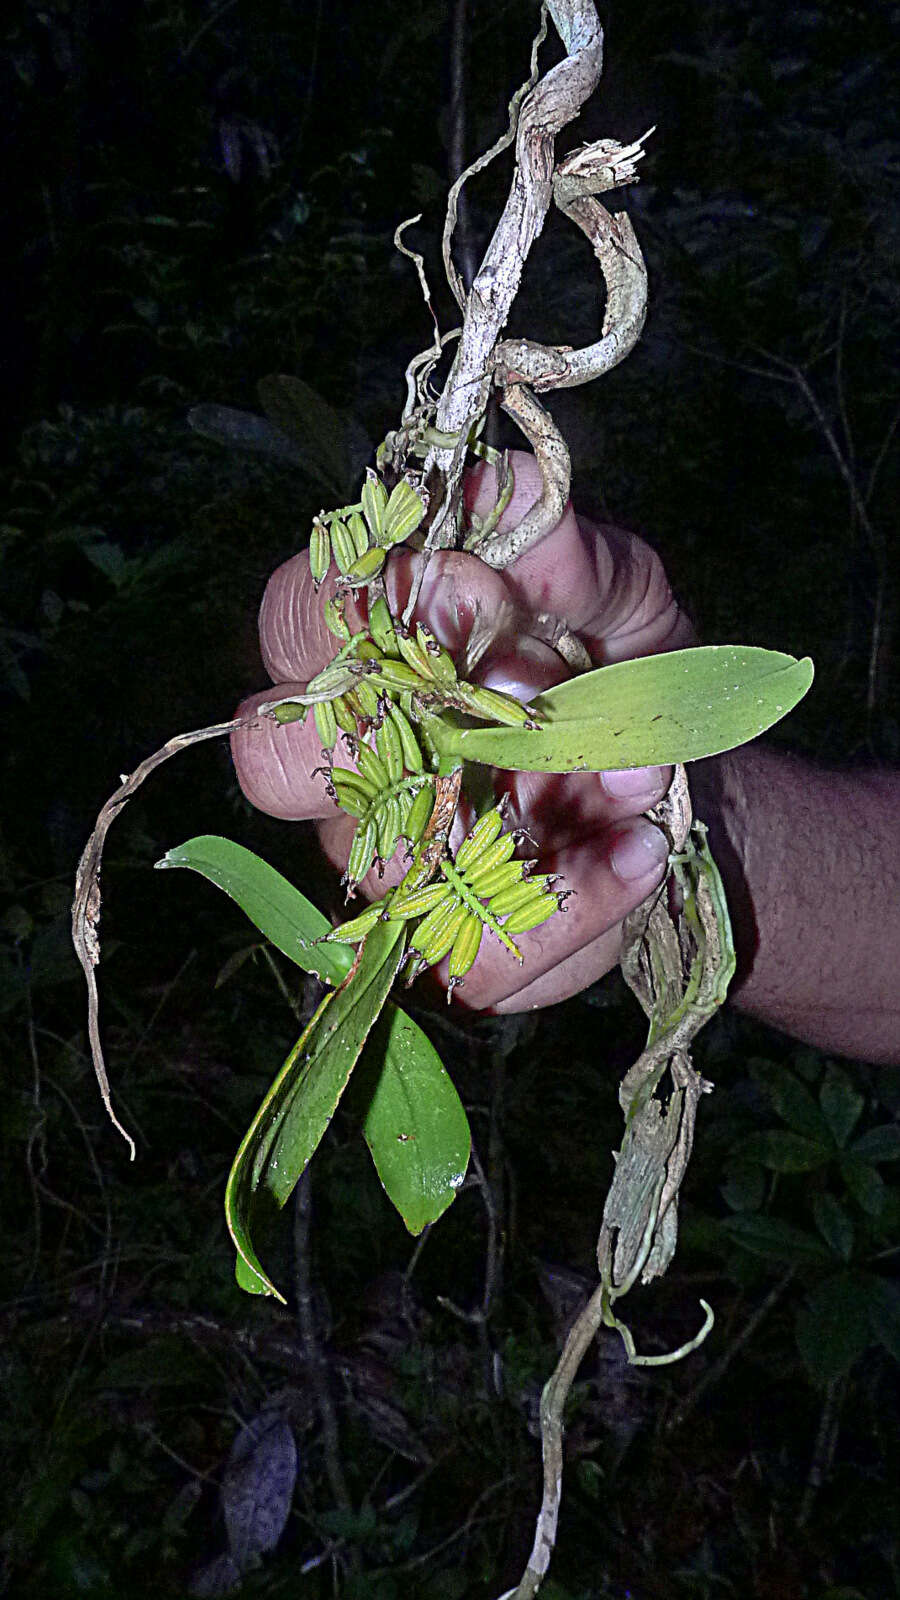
<point x="253" y="1280"/>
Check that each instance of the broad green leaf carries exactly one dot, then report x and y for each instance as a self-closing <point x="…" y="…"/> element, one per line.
<point x="785" y="1152"/>
<point x="779" y="1241"/>
<point x="302" y="1100"/>
<point x="834" y="1224"/>
<point x="806" y="1061"/>
<point x="879" y="1144"/>
<point x="744" y="1187"/>
<point x="791" y="1099"/>
<point x="865" y="1184"/>
<point x="331" y="444"/>
<point x="244" y="430"/>
<point x="279" y="910"/>
<point x="680" y="678"/>
<point x="832" y="1326"/>
<point x="679" y="706"/>
<point x="841" y="1104"/>
<point x="415" y="1127"/>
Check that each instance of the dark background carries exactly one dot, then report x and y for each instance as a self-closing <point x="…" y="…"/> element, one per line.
<point x="194" y="197"/>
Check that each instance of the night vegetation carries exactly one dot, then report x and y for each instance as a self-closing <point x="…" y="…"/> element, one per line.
<point x="201" y="196"/>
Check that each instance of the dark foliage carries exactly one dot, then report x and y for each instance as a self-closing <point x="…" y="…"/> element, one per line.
<point x="200" y="195"/>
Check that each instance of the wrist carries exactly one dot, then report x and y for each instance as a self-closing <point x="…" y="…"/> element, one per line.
<point x="812" y="875"/>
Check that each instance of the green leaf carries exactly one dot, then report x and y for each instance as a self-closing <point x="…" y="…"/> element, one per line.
<point x="879" y="1144"/>
<point x="779" y="1241"/>
<point x="302" y="1100"/>
<point x="841" y="1104"/>
<point x="678" y="706"/>
<point x="348" y="1523"/>
<point x="415" y="1127"/>
<point x="865" y="1184"/>
<point x="832" y="1326"/>
<point x="884" y="1313"/>
<point x="744" y="1187"/>
<point x="806" y="1061"/>
<point x="164" y="1362"/>
<point x="785" y="1152"/>
<point x="834" y="1224"/>
<point x="279" y="910"/>
<point x="251" y="1279"/>
<point x="791" y="1099"/>
<point x="331" y="444"/>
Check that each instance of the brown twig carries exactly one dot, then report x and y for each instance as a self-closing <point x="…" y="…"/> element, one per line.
<point x="87" y="902"/>
<point x="824" y="1447"/>
<point x="316" y="1365"/>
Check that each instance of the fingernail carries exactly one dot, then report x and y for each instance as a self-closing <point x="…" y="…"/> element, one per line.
<point x="639" y="851"/>
<point x="633" y="781"/>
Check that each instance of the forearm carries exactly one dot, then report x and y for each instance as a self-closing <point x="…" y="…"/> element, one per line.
<point x="811" y="863"/>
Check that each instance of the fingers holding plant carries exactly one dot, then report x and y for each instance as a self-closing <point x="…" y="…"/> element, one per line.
<point x="580" y="823"/>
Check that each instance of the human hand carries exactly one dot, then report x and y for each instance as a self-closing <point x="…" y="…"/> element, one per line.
<point x="611" y="589"/>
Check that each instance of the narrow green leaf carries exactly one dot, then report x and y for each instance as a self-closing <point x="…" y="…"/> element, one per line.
<point x="302" y="1100"/>
<point x="779" y="1241"/>
<point x="832" y="1326"/>
<point x="415" y="1127"/>
<point x="834" y="1224"/>
<point x="879" y="1144"/>
<point x="884" y="1313"/>
<point x="331" y="1053"/>
<point x="280" y="911"/>
<point x="679" y="706"/>
<point x="841" y="1103"/>
<point x="252" y="1279"/>
<point x="785" y="1152"/>
<point x="243" y="1183"/>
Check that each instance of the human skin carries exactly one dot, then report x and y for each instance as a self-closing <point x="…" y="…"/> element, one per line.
<point x="799" y="848"/>
<point x="811" y="865"/>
